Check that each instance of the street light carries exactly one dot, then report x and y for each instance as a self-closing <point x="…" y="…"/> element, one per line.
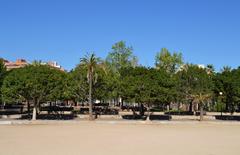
<point x="221" y="93"/>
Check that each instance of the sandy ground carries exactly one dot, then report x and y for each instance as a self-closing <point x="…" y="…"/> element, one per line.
<point x="109" y="138"/>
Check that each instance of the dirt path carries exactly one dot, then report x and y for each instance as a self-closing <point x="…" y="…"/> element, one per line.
<point x="94" y="138"/>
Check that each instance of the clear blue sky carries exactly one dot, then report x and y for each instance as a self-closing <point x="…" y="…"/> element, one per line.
<point x="205" y="31"/>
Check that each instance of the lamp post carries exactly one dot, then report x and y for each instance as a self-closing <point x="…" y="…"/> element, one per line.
<point x="221" y="93"/>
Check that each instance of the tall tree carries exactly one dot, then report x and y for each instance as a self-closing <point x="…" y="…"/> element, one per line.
<point x="170" y="62"/>
<point x="37" y="83"/>
<point x="90" y="62"/>
<point x="148" y="86"/>
<point x="228" y="82"/>
<point x="118" y="59"/>
<point x="195" y="85"/>
<point x="121" y="56"/>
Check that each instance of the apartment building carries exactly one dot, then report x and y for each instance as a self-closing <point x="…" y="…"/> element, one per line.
<point x="17" y="64"/>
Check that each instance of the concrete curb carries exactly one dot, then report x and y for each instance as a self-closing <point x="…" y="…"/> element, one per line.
<point x="113" y="122"/>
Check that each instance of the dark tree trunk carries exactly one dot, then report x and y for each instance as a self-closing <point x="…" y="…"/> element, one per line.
<point x="227" y="105"/>
<point x="50" y="108"/>
<point x="190" y="106"/>
<point x="28" y="109"/>
<point x="232" y="108"/>
<point x="121" y="104"/>
<point x="90" y="98"/>
<point x="201" y="112"/>
<point x="141" y="110"/>
<point x="179" y="105"/>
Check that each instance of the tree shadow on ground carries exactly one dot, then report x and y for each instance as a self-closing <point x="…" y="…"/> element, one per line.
<point x="228" y="118"/>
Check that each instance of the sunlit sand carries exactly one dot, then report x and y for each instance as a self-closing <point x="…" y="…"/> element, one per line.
<point x="111" y="138"/>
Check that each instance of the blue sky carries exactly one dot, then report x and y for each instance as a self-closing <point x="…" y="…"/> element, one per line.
<point x="205" y="31"/>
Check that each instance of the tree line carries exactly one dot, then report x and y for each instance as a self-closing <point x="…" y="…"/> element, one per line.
<point x="120" y="79"/>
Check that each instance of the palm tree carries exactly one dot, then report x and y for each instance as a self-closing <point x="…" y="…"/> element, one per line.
<point x="201" y="99"/>
<point x="90" y="61"/>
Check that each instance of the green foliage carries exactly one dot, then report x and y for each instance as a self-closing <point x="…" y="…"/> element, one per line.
<point x="219" y="107"/>
<point x="2" y="75"/>
<point x="120" y="77"/>
<point x="33" y="82"/>
<point x="167" y="61"/>
<point x="13" y="87"/>
<point x="2" y="69"/>
<point x="228" y="82"/>
<point x="57" y="85"/>
<point x="79" y="80"/>
<point x="148" y="86"/>
<point x="194" y="84"/>
<point x="91" y="62"/>
<point x="77" y="85"/>
<point x="121" y="57"/>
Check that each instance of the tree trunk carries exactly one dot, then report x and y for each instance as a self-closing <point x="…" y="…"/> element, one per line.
<point x="179" y="105"/>
<point x="90" y="98"/>
<point x="34" y="115"/>
<point x="141" y="110"/>
<point x="148" y="113"/>
<point x="227" y="105"/>
<point x="232" y="109"/>
<point x="50" y="108"/>
<point x="75" y="103"/>
<point x="190" y="106"/>
<point x="201" y="112"/>
<point x="28" y="109"/>
<point x="121" y="103"/>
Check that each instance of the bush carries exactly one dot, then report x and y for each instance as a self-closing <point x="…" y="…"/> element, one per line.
<point x="218" y="107"/>
<point x="156" y="109"/>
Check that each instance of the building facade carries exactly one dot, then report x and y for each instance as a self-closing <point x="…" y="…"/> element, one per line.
<point x="19" y="63"/>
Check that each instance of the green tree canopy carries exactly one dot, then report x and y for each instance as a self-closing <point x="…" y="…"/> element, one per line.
<point x="228" y="82"/>
<point x="77" y="86"/>
<point x="148" y="86"/>
<point x="121" y="56"/>
<point x="195" y="84"/>
<point x="37" y="83"/>
<point x="170" y="62"/>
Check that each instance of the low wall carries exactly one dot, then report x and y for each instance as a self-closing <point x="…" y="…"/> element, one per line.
<point x="209" y="116"/>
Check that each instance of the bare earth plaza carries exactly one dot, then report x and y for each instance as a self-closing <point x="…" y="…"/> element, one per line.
<point x="121" y="138"/>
